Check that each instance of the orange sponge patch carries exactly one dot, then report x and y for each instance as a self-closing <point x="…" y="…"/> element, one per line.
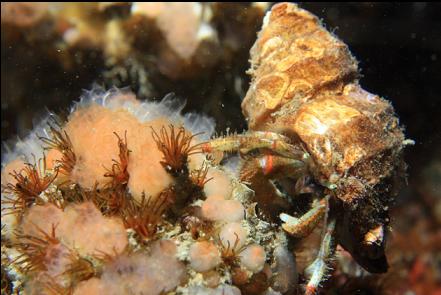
<point x="80" y="226"/>
<point x="92" y="132"/>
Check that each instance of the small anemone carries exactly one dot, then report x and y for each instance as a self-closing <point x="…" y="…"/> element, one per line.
<point x="175" y="147"/>
<point x="30" y="182"/>
<point x="111" y="202"/>
<point x="108" y="201"/>
<point x="199" y="176"/>
<point x="51" y="287"/>
<point x="80" y="269"/>
<point x="60" y="142"/>
<point x="230" y="253"/>
<point x="143" y="217"/>
<point x="118" y="173"/>
<point x="33" y="250"/>
<point x="79" y="195"/>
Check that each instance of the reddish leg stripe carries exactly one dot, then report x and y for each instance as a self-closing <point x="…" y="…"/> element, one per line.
<point x="310" y="290"/>
<point x="206" y="148"/>
<point x="268" y="167"/>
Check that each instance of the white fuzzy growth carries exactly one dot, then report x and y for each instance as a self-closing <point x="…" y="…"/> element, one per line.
<point x="30" y="148"/>
<point x="169" y="107"/>
<point x="232" y="165"/>
<point x="199" y="124"/>
<point x="266" y="19"/>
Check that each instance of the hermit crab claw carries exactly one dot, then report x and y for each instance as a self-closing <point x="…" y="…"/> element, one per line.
<point x="367" y="249"/>
<point x="303" y="226"/>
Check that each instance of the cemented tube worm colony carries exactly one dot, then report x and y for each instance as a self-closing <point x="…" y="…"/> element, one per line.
<point x="130" y="197"/>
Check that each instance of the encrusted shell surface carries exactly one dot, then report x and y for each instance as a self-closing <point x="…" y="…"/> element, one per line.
<point x="305" y="85"/>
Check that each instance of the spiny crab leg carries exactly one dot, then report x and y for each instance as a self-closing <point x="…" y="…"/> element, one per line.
<point x="318" y="270"/>
<point x="254" y="140"/>
<point x="303" y="226"/>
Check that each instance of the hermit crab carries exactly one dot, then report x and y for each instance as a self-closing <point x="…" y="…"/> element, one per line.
<point x="312" y="128"/>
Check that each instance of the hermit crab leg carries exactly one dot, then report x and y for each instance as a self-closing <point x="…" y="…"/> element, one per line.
<point x="274" y="166"/>
<point x="249" y="141"/>
<point x="266" y="194"/>
<point x="318" y="270"/>
<point x="303" y="226"/>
